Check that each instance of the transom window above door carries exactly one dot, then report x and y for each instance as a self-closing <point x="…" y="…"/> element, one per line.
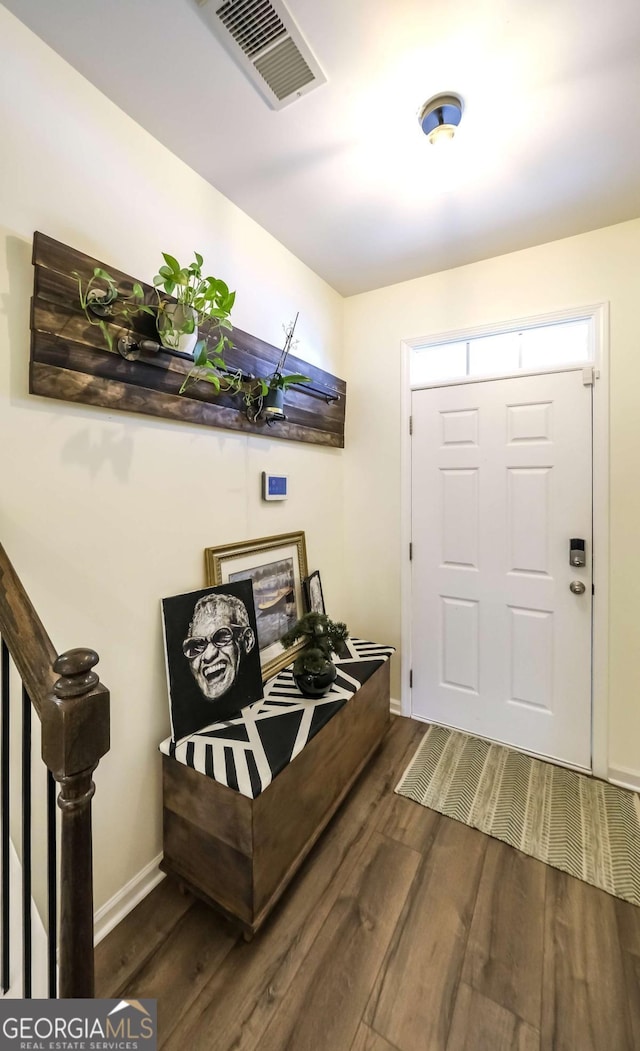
<point x="539" y="348"/>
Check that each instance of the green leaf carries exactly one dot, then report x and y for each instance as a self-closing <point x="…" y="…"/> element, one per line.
<point x="169" y="286"/>
<point x="158" y="280"/>
<point x="200" y="353"/>
<point x="167" y="272"/>
<point x="199" y="259"/>
<point x="137" y="291"/>
<point x="172" y="262"/>
<point x="189" y="326"/>
<point x="211" y="378"/>
<point x="294" y="377"/>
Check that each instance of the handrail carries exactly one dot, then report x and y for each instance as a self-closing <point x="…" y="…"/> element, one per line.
<point x="73" y="708"/>
<point x="20" y="626"/>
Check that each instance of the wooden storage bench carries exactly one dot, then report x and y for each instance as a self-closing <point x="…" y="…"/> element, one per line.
<point x="239" y="853"/>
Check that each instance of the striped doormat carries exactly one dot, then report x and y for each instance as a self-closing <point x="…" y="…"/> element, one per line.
<point x="583" y="826"/>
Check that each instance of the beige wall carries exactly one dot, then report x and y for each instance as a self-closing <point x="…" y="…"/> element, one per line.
<point x="595" y="267"/>
<point x="103" y="514"/>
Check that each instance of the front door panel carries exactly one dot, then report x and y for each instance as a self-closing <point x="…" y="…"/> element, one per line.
<point x="501" y="481"/>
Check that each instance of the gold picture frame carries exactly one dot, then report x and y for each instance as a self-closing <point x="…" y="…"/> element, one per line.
<point x="276" y="565"/>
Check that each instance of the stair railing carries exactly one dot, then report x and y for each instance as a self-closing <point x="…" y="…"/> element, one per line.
<point x="73" y="708"/>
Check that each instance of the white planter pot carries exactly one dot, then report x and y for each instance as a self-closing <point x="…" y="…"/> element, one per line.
<point x="171" y="320"/>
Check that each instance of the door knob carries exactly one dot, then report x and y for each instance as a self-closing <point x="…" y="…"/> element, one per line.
<point x="577" y="587"/>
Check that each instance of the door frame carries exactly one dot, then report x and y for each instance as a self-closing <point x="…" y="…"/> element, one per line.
<point x="598" y="313"/>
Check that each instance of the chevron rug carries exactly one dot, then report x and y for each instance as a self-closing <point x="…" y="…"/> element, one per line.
<point x="583" y="826"/>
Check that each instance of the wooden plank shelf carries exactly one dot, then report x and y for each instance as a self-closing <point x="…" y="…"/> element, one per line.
<point x="70" y="360"/>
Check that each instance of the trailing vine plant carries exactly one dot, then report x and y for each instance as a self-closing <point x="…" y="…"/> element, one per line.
<point x="101" y="301"/>
<point x="208" y="299"/>
<point x="203" y="298"/>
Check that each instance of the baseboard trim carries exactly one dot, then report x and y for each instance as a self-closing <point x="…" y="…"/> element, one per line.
<point x="121" y="904"/>
<point x="395" y="706"/>
<point x="624" y="777"/>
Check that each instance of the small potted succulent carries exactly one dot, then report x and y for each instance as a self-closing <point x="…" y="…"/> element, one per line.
<point x="313" y="668"/>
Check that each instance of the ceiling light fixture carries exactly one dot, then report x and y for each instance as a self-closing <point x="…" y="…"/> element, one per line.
<point x="439" y="118"/>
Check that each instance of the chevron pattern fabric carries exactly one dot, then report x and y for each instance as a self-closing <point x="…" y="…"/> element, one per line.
<point x="246" y="753"/>
<point x="575" y="823"/>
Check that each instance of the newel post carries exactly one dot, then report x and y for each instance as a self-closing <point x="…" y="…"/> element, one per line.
<point x="75" y="735"/>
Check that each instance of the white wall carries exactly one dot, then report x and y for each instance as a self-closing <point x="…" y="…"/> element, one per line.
<point x="595" y="267"/>
<point x="103" y="514"/>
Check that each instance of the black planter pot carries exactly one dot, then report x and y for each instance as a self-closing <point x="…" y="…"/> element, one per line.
<point x="316" y="684"/>
<point x="273" y="404"/>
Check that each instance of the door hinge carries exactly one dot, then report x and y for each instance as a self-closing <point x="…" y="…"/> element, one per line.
<point x="411" y="425"/>
<point x="410" y="552"/>
<point x="410" y="678"/>
<point x="590" y="375"/>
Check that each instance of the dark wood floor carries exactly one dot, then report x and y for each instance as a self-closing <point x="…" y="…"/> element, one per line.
<point x="404" y="931"/>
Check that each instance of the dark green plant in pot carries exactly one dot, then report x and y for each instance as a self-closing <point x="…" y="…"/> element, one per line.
<point x="266" y="395"/>
<point x="313" y="669"/>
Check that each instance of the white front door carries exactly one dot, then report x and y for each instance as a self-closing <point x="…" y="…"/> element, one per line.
<point x="501" y="481"/>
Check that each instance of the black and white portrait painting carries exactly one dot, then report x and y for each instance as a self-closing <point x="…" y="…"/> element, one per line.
<point x="213" y="660"/>
<point x="274" y="597"/>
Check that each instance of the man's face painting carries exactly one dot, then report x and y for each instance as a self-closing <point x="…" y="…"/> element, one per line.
<point x="214" y="649"/>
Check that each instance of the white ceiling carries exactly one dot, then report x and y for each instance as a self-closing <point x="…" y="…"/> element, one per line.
<point x="549" y="143"/>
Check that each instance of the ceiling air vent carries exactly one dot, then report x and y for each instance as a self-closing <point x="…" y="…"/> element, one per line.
<point x="263" y="38"/>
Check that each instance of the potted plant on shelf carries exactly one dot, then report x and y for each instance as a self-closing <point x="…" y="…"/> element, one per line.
<point x="199" y="298"/>
<point x="313" y="668"/>
<point x="102" y="302"/>
<point x="266" y="396"/>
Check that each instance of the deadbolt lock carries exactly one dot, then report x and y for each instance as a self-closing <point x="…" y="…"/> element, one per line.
<point x="577" y="553"/>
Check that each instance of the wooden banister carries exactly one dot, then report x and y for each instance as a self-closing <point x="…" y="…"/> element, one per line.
<point x="31" y="648"/>
<point x="73" y="708"/>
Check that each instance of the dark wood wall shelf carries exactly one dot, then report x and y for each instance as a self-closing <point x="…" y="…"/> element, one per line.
<point x="71" y="361"/>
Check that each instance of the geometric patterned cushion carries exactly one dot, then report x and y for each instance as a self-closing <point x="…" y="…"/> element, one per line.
<point x="247" y="752"/>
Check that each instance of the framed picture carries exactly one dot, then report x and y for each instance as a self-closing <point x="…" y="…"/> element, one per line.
<point x="276" y="566"/>
<point x="313" y="597"/>
<point x="211" y="649"/>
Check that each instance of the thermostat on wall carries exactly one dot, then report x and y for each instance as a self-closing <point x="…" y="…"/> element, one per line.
<point x="274" y="486"/>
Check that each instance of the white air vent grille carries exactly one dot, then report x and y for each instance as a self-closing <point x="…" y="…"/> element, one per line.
<point x="263" y="38"/>
<point x="253" y="25"/>
<point x="284" y="69"/>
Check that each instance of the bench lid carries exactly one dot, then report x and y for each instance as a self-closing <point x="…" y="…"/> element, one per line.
<point x="246" y="753"/>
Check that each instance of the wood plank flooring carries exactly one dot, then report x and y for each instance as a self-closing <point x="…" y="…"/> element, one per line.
<point x="403" y="931"/>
